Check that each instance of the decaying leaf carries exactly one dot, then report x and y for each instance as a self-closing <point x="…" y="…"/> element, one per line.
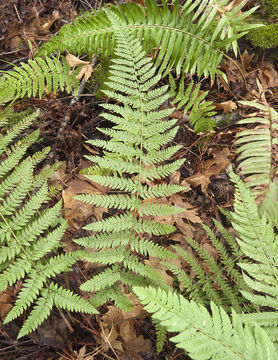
<point x="30" y="30"/>
<point x="210" y="167"/>
<point x="226" y="106"/>
<point x="5" y="304"/>
<point x="268" y="76"/>
<point x="183" y="219"/>
<point x="76" y="212"/>
<point x="119" y="331"/>
<point x="86" y="69"/>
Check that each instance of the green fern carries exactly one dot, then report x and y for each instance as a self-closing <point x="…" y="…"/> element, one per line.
<point x="256" y="145"/>
<point x="37" y="77"/>
<point x="201" y="112"/>
<point x="187" y="39"/>
<point x="136" y="138"/>
<point x="203" y="335"/>
<point x="219" y="280"/>
<point x="28" y="235"/>
<point x="258" y="241"/>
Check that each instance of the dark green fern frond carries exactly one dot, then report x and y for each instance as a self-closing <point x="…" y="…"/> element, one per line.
<point x="37" y="77"/>
<point x="187" y="39"/>
<point x="28" y="234"/>
<point x="140" y="165"/>
<point x="203" y="335"/>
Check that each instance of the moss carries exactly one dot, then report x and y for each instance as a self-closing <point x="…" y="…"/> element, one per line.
<point x="264" y="37"/>
<point x="271" y="8"/>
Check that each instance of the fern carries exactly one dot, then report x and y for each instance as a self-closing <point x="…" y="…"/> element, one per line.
<point x="220" y="280"/>
<point x="259" y="242"/>
<point x="36" y="77"/>
<point x="187" y="39"/>
<point x="201" y="112"/>
<point x="203" y="335"/>
<point x="256" y="147"/>
<point x="30" y="236"/>
<point x="137" y="138"/>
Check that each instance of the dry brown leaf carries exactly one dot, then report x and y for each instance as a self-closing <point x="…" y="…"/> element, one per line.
<point x="181" y="220"/>
<point x="5" y="304"/>
<point x="76" y="212"/>
<point x="268" y="76"/>
<point x="246" y="59"/>
<point x="119" y="329"/>
<point x="74" y="61"/>
<point x="209" y="168"/>
<point x="226" y="106"/>
<point x="86" y="69"/>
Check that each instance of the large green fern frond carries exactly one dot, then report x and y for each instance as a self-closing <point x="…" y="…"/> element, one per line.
<point x="187" y="39"/>
<point x="135" y="161"/>
<point x="29" y="236"/>
<point x="203" y="335"/>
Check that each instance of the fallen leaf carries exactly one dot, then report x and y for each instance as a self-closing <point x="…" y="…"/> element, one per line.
<point x="76" y="212"/>
<point x="268" y="76"/>
<point x="119" y="329"/>
<point x="181" y="220"/>
<point x="226" y="106"/>
<point x="86" y="69"/>
<point x="210" y="167"/>
<point x="5" y="304"/>
<point x="246" y="59"/>
<point x="74" y="61"/>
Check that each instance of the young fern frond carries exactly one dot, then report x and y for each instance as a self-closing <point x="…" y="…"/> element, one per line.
<point x="187" y="39"/>
<point x="37" y="77"/>
<point x="201" y="112"/>
<point x="29" y="235"/>
<point x="203" y="335"/>
<point x="137" y="137"/>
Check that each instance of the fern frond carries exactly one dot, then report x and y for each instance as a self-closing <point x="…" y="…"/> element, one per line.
<point x="186" y="40"/>
<point x="36" y="77"/>
<point x="28" y="234"/>
<point x="135" y="156"/>
<point x="203" y="335"/>
<point x="258" y="241"/>
<point x="201" y="112"/>
<point x="256" y="146"/>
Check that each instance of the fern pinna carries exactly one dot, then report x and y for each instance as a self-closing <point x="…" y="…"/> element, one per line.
<point x="187" y="39"/>
<point x="29" y="237"/>
<point x="133" y="176"/>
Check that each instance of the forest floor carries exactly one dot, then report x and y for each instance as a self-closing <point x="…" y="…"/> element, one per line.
<point x="66" y="124"/>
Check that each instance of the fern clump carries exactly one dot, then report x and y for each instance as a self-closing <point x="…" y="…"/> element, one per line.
<point x="30" y="237"/>
<point x="135" y="163"/>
